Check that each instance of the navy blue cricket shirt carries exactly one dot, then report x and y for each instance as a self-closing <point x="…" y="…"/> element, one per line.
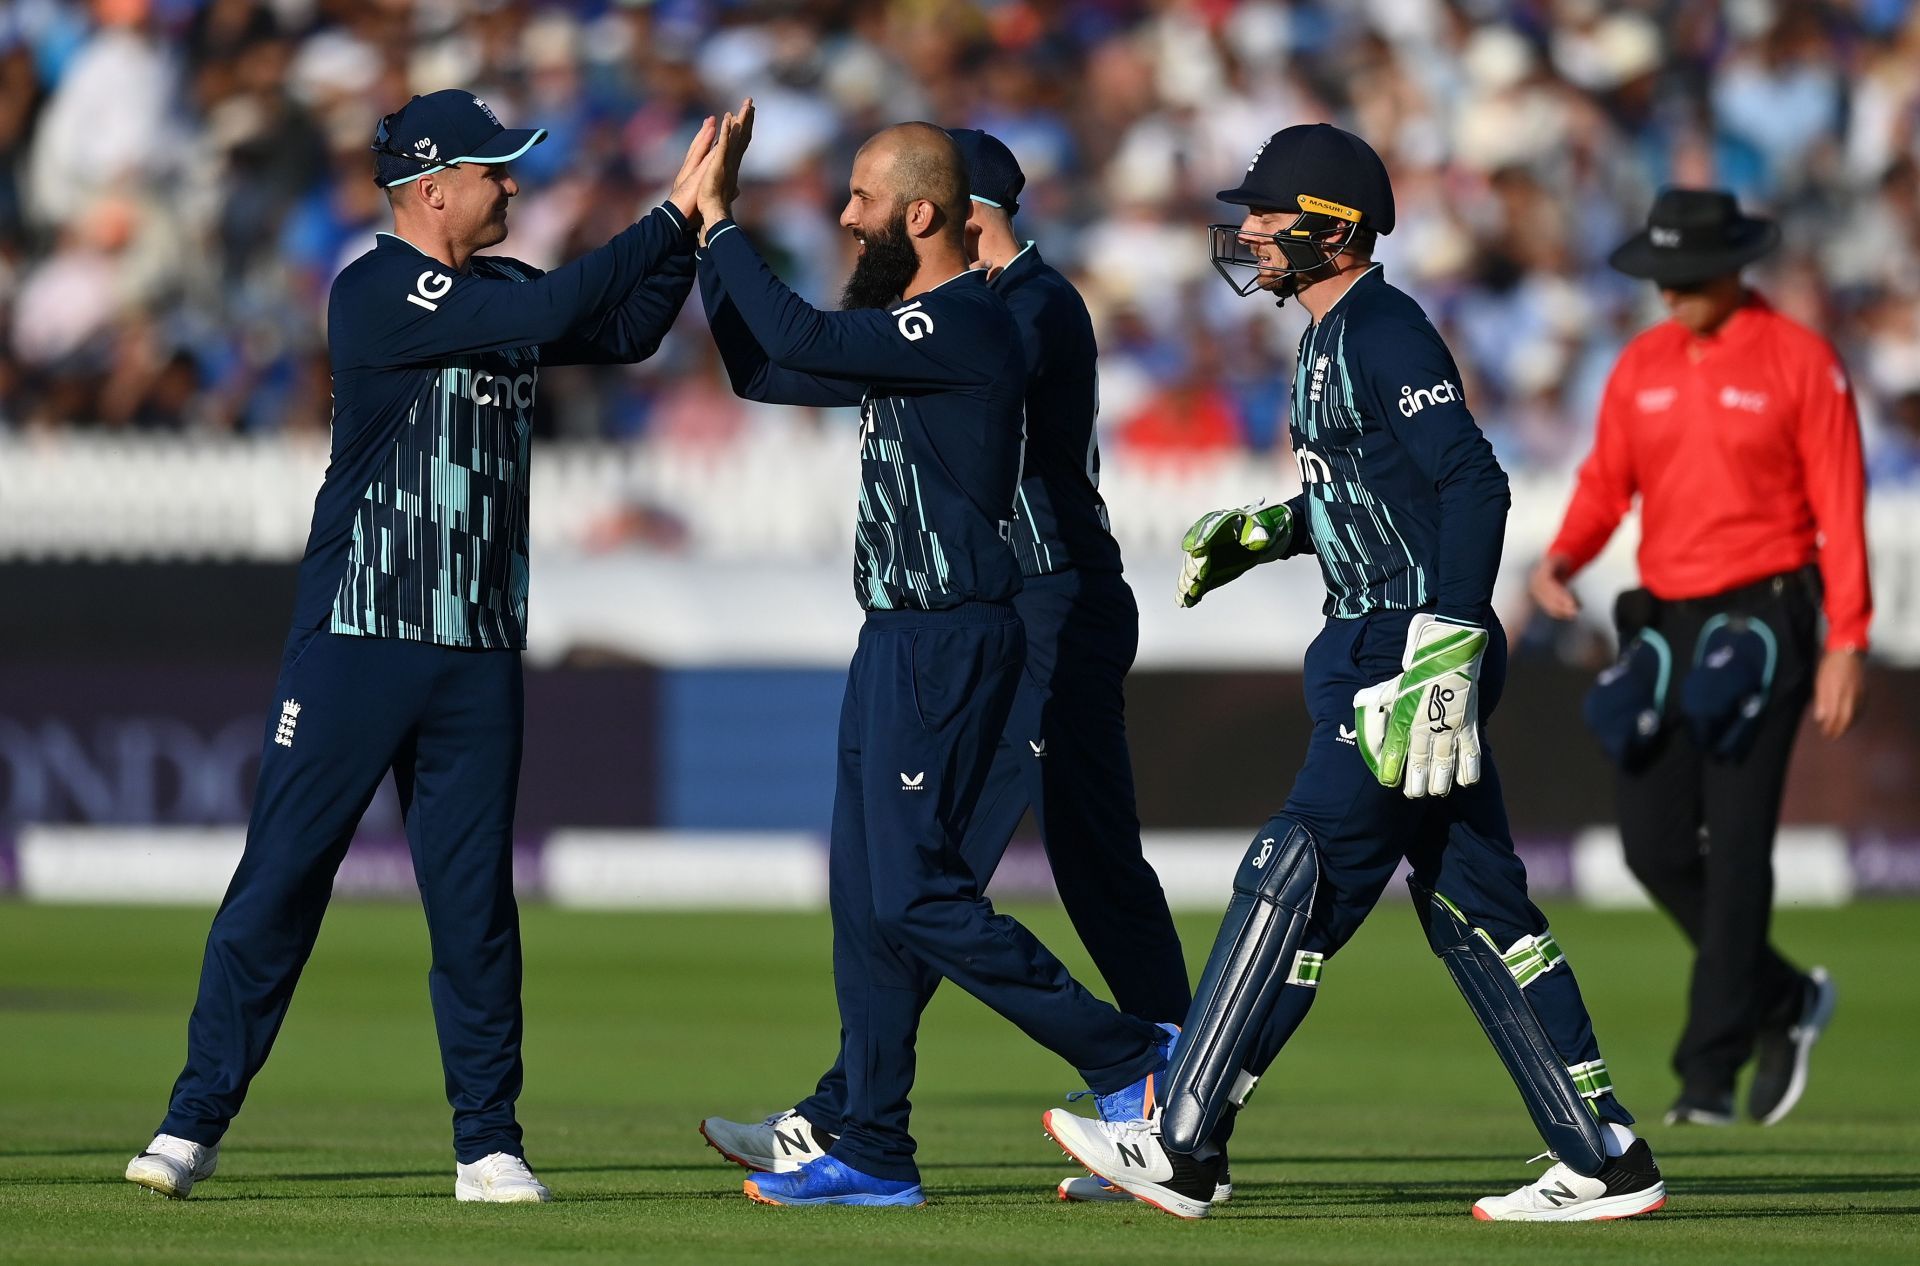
<point x="939" y="382"/>
<point x="1404" y="501"/>
<point x="1061" y="519"/>
<point x="420" y="529"/>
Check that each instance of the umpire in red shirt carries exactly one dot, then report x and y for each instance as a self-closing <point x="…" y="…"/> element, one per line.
<point x="1736" y="429"/>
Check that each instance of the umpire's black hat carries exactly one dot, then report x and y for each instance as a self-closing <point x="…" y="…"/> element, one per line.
<point x="1318" y="168"/>
<point x="1694" y="235"/>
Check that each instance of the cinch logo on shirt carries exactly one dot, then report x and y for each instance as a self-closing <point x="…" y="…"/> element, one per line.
<point x="1411" y="401"/>
<point x="494" y="389"/>
<point x="1747" y="401"/>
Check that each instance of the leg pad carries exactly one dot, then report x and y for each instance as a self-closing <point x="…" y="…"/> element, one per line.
<point x="1255" y="953"/>
<point x="1492" y="980"/>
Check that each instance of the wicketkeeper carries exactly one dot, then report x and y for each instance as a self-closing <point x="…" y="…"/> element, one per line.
<point x="1405" y="507"/>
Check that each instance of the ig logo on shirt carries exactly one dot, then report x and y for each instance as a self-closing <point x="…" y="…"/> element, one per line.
<point x="430" y="288"/>
<point x="914" y="324"/>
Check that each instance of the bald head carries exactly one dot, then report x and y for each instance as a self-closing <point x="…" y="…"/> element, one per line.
<point x="916" y="161"/>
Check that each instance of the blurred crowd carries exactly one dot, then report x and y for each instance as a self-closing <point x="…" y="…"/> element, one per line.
<point x="180" y="180"/>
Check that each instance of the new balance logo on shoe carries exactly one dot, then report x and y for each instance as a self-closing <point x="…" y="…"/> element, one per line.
<point x="791" y="1144"/>
<point x="913" y="782"/>
<point x="289" y="717"/>
<point x="1132" y="1154"/>
<point x="1559" y="1194"/>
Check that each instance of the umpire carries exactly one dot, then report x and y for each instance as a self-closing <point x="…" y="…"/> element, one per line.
<point x="1736" y="429"/>
<point x="410" y="619"/>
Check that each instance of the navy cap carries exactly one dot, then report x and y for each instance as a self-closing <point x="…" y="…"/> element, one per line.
<point x="1625" y="705"/>
<point x="443" y="129"/>
<point x="993" y="173"/>
<point x="1727" y="690"/>
<point x="1318" y="168"/>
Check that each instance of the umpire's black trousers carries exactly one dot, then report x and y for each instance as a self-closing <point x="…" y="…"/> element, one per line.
<point x="1698" y="830"/>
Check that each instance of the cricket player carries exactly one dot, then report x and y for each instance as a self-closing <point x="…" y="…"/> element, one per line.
<point x="931" y="354"/>
<point x="410" y="619"/>
<point x="1064" y="749"/>
<point x="1405" y="507"/>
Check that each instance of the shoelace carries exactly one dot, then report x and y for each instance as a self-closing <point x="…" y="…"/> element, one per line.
<point x="1535" y="1160"/>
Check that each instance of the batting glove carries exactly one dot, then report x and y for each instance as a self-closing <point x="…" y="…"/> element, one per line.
<point x="1225" y="543"/>
<point x="1420" y="731"/>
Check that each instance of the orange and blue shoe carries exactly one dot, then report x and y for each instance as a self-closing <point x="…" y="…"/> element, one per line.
<point x="829" y="1181"/>
<point x="1138" y="1101"/>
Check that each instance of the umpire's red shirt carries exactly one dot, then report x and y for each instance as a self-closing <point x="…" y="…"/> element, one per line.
<point x="1744" y="448"/>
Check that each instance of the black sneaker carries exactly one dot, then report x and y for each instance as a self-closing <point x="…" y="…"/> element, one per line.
<point x="1780" y="1052"/>
<point x="1694" y="1107"/>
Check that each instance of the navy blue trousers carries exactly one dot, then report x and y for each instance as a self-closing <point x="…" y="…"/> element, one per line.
<point x="1064" y="753"/>
<point x="1458" y="845"/>
<point x="447" y="722"/>
<point x="928" y="695"/>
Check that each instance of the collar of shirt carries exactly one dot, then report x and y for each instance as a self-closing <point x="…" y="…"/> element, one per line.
<point x="1739" y="329"/>
<point x="1022" y="265"/>
<point x="1374" y="275"/>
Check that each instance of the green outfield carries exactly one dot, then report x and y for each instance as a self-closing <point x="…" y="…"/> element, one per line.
<point x="1366" y="1144"/>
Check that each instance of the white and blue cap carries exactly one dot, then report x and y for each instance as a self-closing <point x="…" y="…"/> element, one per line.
<point x="444" y="129"/>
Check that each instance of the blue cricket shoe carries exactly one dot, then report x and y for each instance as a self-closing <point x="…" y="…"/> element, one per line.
<point x="1137" y="1102"/>
<point x="827" y="1181"/>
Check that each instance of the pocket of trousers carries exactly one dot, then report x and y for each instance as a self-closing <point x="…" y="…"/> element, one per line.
<point x="949" y="668"/>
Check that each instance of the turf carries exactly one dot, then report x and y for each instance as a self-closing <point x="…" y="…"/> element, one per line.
<point x="1366" y="1144"/>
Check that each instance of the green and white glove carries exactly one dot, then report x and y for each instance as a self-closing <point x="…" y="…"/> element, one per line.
<point x="1225" y="543"/>
<point x="1420" y="731"/>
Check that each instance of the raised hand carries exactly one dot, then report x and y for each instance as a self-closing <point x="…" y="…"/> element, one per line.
<point x="737" y="152"/>
<point x="686" y="185"/>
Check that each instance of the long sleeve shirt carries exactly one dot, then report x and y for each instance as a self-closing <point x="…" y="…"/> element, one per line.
<point x="1404" y="501"/>
<point x="420" y="528"/>
<point x="1061" y="519"/>
<point x="939" y="381"/>
<point x="1743" y="448"/>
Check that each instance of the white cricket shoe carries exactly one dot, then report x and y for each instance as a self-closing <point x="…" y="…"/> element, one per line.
<point x="1129" y="1155"/>
<point x="501" y="1178"/>
<point x="172" y="1165"/>
<point x="1629" y="1186"/>
<point x="1086" y="1189"/>
<point x="778" y="1145"/>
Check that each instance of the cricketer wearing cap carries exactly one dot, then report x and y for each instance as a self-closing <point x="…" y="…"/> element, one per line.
<point x="1405" y="507"/>
<point x="1064" y="748"/>
<point x="931" y="355"/>
<point x="410" y="617"/>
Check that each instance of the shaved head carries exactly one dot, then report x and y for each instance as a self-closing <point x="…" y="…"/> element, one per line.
<point x="920" y="161"/>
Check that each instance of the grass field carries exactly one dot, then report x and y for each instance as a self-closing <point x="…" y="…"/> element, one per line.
<point x="638" y="1025"/>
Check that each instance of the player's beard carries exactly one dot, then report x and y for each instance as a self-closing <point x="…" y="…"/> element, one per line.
<point x="881" y="273"/>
